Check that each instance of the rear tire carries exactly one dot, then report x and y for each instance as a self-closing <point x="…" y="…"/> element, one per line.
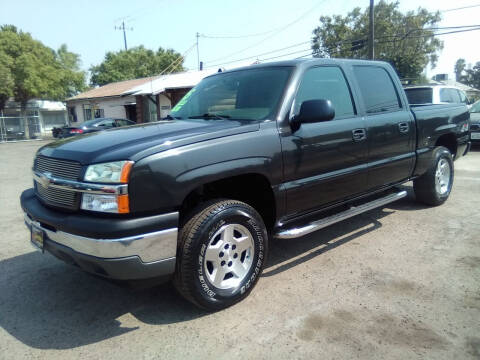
<point x="434" y="187"/>
<point x="221" y="254"/>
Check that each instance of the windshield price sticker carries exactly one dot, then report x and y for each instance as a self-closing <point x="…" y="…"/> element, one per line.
<point x="183" y="101"/>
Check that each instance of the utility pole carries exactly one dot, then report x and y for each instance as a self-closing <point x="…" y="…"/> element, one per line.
<point x="124" y="34"/>
<point x="371" y="33"/>
<point x="198" y="52"/>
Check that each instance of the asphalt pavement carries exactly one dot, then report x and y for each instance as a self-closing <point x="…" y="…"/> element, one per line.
<point x="398" y="282"/>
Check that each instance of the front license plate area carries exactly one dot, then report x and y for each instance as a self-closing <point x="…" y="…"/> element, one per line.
<point x="37" y="237"/>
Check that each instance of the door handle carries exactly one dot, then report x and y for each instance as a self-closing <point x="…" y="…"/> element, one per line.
<point x="403" y="127"/>
<point x="359" y="134"/>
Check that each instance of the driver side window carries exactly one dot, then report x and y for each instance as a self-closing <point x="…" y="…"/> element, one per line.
<point x="326" y="82"/>
<point x="106" y="123"/>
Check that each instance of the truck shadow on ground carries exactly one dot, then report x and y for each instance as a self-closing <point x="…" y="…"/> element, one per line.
<point x="46" y="304"/>
<point x="291" y="252"/>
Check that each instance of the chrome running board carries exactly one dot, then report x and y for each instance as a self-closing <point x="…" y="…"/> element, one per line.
<point x="354" y="210"/>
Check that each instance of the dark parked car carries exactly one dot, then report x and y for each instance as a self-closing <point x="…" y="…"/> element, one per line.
<point x="92" y="126"/>
<point x="13" y="134"/>
<point x="475" y="122"/>
<point x="271" y="150"/>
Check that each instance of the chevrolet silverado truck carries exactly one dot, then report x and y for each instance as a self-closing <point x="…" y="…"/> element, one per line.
<point x="275" y="150"/>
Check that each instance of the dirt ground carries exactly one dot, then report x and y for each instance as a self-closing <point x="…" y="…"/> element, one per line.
<point x="400" y="282"/>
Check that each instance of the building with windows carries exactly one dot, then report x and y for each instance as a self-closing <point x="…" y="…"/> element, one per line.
<point x="104" y="101"/>
<point x="140" y="100"/>
<point x="41" y="117"/>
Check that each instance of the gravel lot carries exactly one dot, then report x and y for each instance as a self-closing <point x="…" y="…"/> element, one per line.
<point x="400" y="282"/>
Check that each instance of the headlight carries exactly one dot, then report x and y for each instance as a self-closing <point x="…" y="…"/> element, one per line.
<point x="105" y="203"/>
<point x="111" y="172"/>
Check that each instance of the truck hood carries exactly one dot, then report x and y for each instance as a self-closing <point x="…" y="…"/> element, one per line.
<point x="138" y="141"/>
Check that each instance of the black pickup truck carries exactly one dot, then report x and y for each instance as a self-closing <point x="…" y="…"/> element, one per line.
<point x="275" y="150"/>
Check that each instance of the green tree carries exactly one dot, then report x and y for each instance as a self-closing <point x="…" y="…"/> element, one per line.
<point x="71" y="77"/>
<point x="403" y="39"/>
<point x="37" y="72"/>
<point x="6" y="79"/>
<point x="135" y="63"/>
<point x="472" y="77"/>
<point x="459" y="68"/>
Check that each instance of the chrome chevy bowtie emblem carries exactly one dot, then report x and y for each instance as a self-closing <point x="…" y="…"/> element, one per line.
<point x="44" y="179"/>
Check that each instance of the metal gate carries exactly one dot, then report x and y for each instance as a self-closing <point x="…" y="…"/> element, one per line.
<point x="13" y="128"/>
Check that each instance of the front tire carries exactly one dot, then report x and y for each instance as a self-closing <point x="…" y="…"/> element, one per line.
<point x="434" y="187"/>
<point x="221" y="254"/>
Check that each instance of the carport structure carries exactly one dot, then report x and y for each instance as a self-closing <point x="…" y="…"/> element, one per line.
<point x="156" y="97"/>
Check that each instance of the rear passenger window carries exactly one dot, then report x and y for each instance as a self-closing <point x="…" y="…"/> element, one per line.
<point x="419" y="95"/>
<point x="463" y="97"/>
<point x="449" y="95"/>
<point x="328" y="83"/>
<point x="378" y="91"/>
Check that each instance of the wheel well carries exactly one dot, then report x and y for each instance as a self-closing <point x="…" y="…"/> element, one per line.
<point x="253" y="189"/>
<point x="449" y="141"/>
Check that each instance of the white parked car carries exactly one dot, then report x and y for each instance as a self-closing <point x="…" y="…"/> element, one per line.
<point x="435" y="94"/>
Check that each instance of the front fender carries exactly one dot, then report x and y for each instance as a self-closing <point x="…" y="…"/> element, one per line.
<point x="161" y="182"/>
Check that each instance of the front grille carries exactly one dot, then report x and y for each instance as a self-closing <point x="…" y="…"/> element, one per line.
<point x="59" y="168"/>
<point x="56" y="197"/>
<point x="62" y="169"/>
<point x="475" y="127"/>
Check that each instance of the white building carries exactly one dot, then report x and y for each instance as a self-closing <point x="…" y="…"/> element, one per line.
<point x="139" y="100"/>
<point x="104" y="101"/>
<point x="41" y="117"/>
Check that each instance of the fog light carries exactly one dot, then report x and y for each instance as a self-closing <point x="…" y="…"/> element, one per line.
<point x="105" y="203"/>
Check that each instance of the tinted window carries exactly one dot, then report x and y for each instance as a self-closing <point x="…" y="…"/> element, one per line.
<point x="251" y="94"/>
<point x="326" y="82"/>
<point x="378" y="91"/>
<point x="122" y="122"/>
<point x="90" y="123"/>
<point x="106" y="123"/>
<point x="419" y="95"/>
<point x="463" y="97"/>
<point x="449" y="95"/>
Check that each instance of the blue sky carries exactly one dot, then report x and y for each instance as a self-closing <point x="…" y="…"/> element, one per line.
<point x="87" y="27"/>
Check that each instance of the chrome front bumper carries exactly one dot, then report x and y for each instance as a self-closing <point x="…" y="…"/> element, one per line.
<point x="150" y="247"/>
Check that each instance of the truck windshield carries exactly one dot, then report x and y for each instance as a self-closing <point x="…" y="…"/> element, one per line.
<point x="251" y="94"/>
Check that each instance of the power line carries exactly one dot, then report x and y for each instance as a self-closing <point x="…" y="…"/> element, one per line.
<point x="270" y="58"/>
<point x="174" y="63"/>
<point x="266" y="53"/>
<point x="335" y="46"/>
<point x="460" y="8"/>
<point x="238" y="36"/>
<point x="292" y="53"/>
<point x="339" y="43"/>
<point x="301" y="17"/>
<point x="434" y="34"/>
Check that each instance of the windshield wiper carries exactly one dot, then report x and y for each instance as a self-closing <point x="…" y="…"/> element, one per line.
<point x="170" y="117"/>
<point x="209" y="116"/>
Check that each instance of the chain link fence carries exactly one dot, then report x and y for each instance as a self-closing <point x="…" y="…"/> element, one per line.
<point x="31" y="127"/>
<point x="13" y="128"/>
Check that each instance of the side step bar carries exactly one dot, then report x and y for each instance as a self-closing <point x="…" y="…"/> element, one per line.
<point x="354" y="210"/>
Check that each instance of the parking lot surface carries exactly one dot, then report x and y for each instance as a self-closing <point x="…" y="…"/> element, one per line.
<point x="399" y="282"/>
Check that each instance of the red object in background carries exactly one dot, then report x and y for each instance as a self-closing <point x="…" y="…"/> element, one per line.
<point x="76" y="131"/>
